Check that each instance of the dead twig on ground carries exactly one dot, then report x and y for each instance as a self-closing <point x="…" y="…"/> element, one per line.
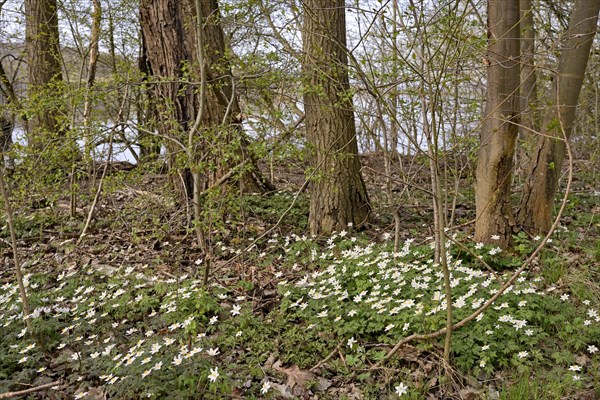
<point x="329" y="357"/>
<point x="18" y="393"/>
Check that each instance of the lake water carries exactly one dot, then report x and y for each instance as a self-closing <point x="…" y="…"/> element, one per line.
<point x="120" y="150"/>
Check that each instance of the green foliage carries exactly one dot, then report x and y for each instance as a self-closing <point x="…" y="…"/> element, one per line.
<point x="271" y="207"/>
<point x="138" y="335"/>
<point x="32" y="225"/>
<point x="120" y="328"/>
<point x="367" y="294"/>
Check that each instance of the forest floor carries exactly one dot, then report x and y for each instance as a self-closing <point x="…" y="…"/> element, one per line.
<point x="125" y="313"/>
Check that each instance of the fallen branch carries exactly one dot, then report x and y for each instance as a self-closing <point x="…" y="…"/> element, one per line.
<point x="323" y="361"/>
<point x="18" y="393"/>
<point x="481" y="260"/>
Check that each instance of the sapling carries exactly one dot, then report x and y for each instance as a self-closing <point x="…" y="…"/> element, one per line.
<point x="13" y="240"/>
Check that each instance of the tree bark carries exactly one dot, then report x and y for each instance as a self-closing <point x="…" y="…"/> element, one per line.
<point x="7" y="115"/>
<point x="222" y="115"/>
<point x="91" y="78"/>
<point x="7" y="125"/>
<point x="167" y="31"/>
<point x="499" y="130"/>
<point x="43" y="67"/>
<point x="146" y="110"/>
<point x="529" y="92"/>
<point x="338" y="192"/>
<point x="537" y="202"/>
<point x="169" y="38"/>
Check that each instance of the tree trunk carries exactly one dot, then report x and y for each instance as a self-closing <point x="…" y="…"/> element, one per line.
<point x="338" y="193"/>
<point x="7" y="124"/>
<point x="537" y="202"/>
<point x="146" y="110"/>
<point x="221" y="121"/>
<point x="168" y="36"/>
<point x="168" y="32"/>
<point x="11" y="106"/>
<point x="43" y="67"/>
<point x="499" y="130"/>
<point x="91" y="79"/>
<point x="528" y="92"/>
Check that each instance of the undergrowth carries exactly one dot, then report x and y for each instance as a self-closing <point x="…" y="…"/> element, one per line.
<point x="131" y="334"/>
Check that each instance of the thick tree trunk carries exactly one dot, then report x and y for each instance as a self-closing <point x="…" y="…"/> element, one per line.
<point x="222" y="116"/>
<point x="168" y="28"/>
<point x="146" y="111"/>
<point x="43" y="67"/>
<point x="499" y="131"/>
<point x="537" y="202"/>
<point x="338" y="193"/>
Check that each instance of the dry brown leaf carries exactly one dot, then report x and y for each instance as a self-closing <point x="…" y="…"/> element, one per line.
<point x="409" y="353"/>
<point x="582" y="360"/>
<point x="351" y="392"/>
<point x="283" y="390"/>
<point x="469" y="394"/>
<point x="297" y="380"/>
<point x="270" y="361"/>
<point x="295" y="375"/>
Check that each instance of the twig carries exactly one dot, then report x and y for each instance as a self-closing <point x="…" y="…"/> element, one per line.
<point x="403" y="182"/>
<point x="13" y="241"/>
<point x="97" y="196"/>
<point x="271" y="229"/>
<point x="99" y="190"/>
<point x="8" y="395"/>
<point x="481" y="260"/>
<point x="323" y="361"/>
